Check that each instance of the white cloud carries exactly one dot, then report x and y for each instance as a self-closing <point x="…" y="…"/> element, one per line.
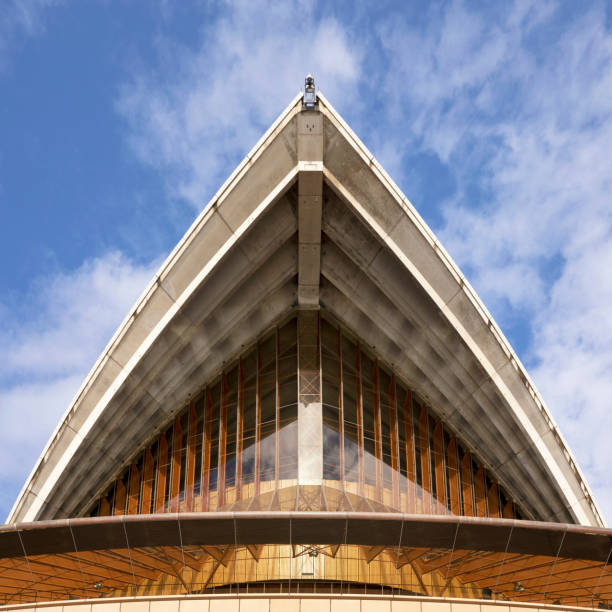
<point x="529" y="113"/>
<point x="70" y="317"/>
<point x="47" y="348"/>
<point x="29" y="412"/>
<point x="196" y="124"/>
<point x="18" y="18"/>
<point x="573" y="340"/>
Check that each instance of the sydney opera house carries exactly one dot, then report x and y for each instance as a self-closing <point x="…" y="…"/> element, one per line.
<point x="308" y="409"/>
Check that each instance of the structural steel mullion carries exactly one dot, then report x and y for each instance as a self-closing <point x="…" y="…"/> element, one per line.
<point x="493" y="501"/>
<point x="438" y="450"/>
<point x="453" y="476"/>
<point x="147" y="483"/>
<point x="105" y="508"/>
<point x="206" y="448"/>
<point x="190" y="463"/>
<point x="310" y="407"/>
<point x="394" y="442"/>
<point x="377" y="435"/>
<point x="319" y="380"/>
<point x="222" y="443"/>
<point x="175" y="483"/>
<point x="467" y="485"/>
<point x="410" y="454"/>
<point x="140" y="483"/>
<point x="277" y="409"/>
<point x="134" y="493"/>
<point x="340" y="406"/>
<point x="360" y="441"/>
<point x="425" y="460"/>
<point x="258" y="423"/>
<point x="120" y="494"/>
<point x="480" y="491"/>
<point x="239" y="430"/>
<point x="162" y="473"/>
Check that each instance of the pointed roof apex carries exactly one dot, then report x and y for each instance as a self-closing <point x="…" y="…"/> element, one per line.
<point x="382" y="272"/>
<point x="310" y="95"/>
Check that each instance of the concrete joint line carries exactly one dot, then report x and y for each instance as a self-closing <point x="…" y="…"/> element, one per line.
<point x="310" y="213"/>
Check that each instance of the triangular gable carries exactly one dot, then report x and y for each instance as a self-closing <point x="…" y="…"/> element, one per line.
<point x="310" y="198"/>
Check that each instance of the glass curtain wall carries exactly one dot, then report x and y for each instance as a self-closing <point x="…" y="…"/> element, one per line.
<point x="235" y="445"/>
<point x="382" y="444"/>
<point x="235" y="440"/>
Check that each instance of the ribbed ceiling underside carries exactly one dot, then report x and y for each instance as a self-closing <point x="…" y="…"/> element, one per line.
<point x="236" y="305"/>
<point x="224" y="315"/>
<point x="383" y="276"/>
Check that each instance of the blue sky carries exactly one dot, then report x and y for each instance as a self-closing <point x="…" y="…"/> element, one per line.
<point x="119" y="120"/>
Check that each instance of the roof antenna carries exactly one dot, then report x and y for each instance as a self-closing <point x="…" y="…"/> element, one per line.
<point x="310" y="97"/>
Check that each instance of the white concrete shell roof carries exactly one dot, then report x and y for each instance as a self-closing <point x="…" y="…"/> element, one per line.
<point x="243" y="264"/>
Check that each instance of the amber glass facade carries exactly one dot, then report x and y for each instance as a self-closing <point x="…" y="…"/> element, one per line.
<point x="356" y="554"/>
<point x="235" y="445"/>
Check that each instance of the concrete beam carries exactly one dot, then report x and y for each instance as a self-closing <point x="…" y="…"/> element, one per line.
<point x="310" y="407"/>
<point x="310" y="193"/>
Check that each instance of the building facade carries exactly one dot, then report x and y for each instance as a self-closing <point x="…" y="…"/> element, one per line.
<point x="308" y="406"/>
